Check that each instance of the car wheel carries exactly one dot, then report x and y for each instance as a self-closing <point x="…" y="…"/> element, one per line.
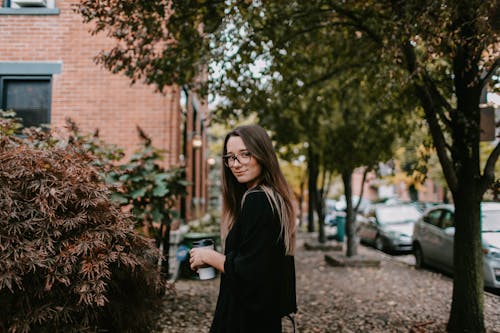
<point x="379" y="243"/>
<point x="419" y="256"/>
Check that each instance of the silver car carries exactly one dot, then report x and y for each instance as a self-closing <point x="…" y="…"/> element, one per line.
<point x="433" y="240"/>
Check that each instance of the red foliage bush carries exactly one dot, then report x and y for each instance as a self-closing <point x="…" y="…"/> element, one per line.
<point x="69" y="257"/>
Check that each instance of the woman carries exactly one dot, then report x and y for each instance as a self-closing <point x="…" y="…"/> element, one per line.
<point x="257" y="284"/>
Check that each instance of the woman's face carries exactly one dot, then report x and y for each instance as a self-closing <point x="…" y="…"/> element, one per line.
<point x="243" y="165"/>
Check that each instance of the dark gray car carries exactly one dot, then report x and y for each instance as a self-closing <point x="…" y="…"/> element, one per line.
<point x="389" y="227"/>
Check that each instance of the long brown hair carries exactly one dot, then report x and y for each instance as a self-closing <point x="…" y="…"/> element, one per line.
<point x="271" y="181"/>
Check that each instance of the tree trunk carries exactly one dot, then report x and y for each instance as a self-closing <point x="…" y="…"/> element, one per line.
<point x="165" y="235"/>
<point x="466" y="313"/>
<point x="413" y="193"/>
<point x="301" y="203"/>
<point x="350" y="221"/>
<point x="461" y="167"/>
<point x="313" y="170"/>
<point x="321" y="219"/>
<point x="467" y="305"/>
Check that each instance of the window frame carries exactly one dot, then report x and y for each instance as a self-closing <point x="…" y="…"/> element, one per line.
<point x="6" y="9"/>
<point x="45" y="77"/>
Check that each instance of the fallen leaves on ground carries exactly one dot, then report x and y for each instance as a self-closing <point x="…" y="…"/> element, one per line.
<point x="393" y="298"/>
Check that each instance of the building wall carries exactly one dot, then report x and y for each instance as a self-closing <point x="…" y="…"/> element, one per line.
<point x="195" y="158"/>
<point x="97" y="99"/>
<point x="427" y="192"/>
<point x="86" y="92"/>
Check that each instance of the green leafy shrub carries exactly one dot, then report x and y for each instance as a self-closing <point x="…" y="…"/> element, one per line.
<point x="151" y="192"/>
<point x="70" y="260"/>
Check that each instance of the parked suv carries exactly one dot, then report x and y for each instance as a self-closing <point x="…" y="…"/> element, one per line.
<point x="433" y="240"/>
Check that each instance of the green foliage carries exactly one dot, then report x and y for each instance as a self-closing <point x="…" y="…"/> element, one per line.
<point x="209" y="224"/>
<point x="70" y="260"/>
<point x="150" y="189"/>
<point x="160" y="42"/>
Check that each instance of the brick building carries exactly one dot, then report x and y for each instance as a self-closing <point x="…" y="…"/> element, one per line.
<point x="47" y="74"/>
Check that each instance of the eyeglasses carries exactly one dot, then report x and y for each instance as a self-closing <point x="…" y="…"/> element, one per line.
<point x="242" y="158"/>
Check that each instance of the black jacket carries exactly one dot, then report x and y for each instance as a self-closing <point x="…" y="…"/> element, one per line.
<point x="258" y="286"/>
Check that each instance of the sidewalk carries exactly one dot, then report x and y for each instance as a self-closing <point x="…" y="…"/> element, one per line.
<point x="393" y="298"/>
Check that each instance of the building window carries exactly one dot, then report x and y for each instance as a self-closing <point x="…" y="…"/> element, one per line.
<point x="27" y="3"/>
<point x="28" y="7"/>
<point x="28" y="96"/>
<point x="26" y="87"/>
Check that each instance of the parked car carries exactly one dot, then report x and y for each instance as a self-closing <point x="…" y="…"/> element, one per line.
<point x="433" y="240"/>
<point x="424" y="206"/>
<point x="389" y="227"/>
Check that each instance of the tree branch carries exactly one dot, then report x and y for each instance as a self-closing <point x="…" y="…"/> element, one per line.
<point x="489" y="74"/>
<point x="331" y="74"/>
<point x="320" y="26"/>
<point x="358" y="22"/>
<point x="437" y="96"/>
<point x="431" y="111"/>
<point x="489" y="169"/>
<point x="439" y="140"/>
<point x="365" y="173"/>
<point x="354" y="20"/>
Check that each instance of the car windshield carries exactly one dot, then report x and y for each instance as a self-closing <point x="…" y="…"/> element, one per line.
<point x="491" y="221"/>
<point x="397" y="214"/>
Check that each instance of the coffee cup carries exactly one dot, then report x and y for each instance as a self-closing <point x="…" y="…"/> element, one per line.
<point x="205" y="272"/>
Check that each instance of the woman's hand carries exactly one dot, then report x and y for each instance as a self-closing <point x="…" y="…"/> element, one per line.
<point x="197" y="258"/>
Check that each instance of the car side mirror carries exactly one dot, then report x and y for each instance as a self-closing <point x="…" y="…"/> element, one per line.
<point x="449" y="231"/>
